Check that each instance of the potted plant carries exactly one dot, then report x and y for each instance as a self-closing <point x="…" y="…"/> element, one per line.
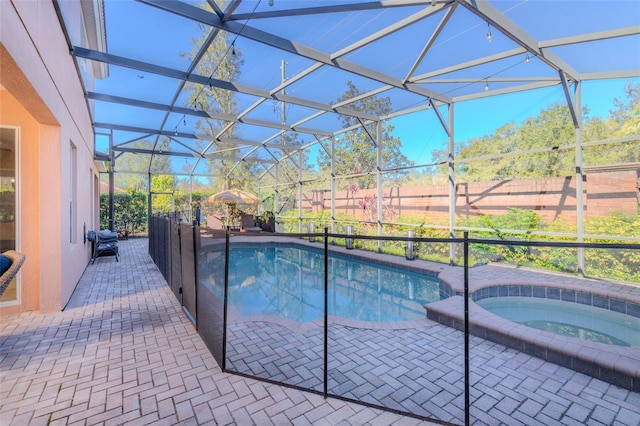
<point x="268" y="221"/>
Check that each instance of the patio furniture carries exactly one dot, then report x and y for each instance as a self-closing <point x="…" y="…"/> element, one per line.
<point x="214" y="222"/>
<point x="248" y="224"/>
<point x="105" y="243"/>
<point x="11" y="262"/>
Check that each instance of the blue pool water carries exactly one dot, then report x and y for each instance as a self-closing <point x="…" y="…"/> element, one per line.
<point x="288" y="281"/>
<point x="584" y="322"/>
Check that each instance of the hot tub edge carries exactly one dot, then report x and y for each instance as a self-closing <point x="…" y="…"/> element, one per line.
<point x="619" y="366"/>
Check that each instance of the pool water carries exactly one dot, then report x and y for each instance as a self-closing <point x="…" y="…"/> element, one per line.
<point x="288" y="281"/>
<point x="584" y="322"/>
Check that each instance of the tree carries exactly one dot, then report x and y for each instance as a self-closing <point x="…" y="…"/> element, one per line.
<point x="551" y="128"/>
<point x="220" y="62"/>
<point x="355" y="151"/>
<point x="424" y="177"/>
<point x="138" y="165"/>
<point x="623" y="122"/>
<point x="291" y="161"/>
<point x="631" y="126"/>
<point x="163" y="186"/>
<point x="503" y="141"/>
<point x="624" y="107"/>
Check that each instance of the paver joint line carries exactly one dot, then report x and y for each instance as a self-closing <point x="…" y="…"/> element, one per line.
<point x="123" y="352"/>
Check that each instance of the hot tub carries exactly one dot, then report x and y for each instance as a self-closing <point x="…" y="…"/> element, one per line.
<point x="536" y="319"/>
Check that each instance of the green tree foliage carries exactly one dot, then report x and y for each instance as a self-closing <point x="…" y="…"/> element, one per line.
<point x="624" y="108"/>
<point x="164" y="185"/>
<point x="623" y="122"/>
<point x="221" y="61"/>
<point x="552" y="128"/>
<point x="130" y="210"/>
<point x="631" y="126"/>
<point x="355" y="152"/>
<point x="533" y="148"/>
<point x="141" y="164"/>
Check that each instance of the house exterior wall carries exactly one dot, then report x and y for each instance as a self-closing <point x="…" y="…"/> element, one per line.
<point x="42" y="96"/>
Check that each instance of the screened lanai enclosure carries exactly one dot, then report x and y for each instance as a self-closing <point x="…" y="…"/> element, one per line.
<point x="450" y="115"/>
<point x="464" y="134"/>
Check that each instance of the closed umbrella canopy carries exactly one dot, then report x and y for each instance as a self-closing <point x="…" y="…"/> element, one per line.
<point x="235" y="196"/>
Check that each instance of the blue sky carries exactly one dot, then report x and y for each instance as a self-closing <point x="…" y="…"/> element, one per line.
<point x="421" y="133"/>
<point x="139" y="31"/>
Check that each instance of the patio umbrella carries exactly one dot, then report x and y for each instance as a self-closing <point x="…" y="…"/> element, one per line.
<point x="234" y="196"/>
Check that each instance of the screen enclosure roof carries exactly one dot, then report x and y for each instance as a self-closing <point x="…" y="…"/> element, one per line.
<point x="238" y="81"/>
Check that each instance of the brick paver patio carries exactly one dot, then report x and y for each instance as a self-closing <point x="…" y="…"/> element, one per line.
<point x="420" y="370"/>
<point x="123" y="352"/>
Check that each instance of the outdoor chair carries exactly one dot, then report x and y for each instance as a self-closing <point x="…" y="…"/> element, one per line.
<point x="214" y="222"/>
<point x="10" y="263"/>
<point x="248" y="224"/>
<point x="104" y="243"/>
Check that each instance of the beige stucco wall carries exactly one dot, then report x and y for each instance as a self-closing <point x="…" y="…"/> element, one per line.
<point x="13" y="114"/>
<point x="44" y="99"/>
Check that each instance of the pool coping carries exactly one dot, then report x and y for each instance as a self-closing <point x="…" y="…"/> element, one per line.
<point x="414" y="265"/>
<point x="304" y="327"/>
<point x="614" y="364"/>
<point x="618" y="365"/>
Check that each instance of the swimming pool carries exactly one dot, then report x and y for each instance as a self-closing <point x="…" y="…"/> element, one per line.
<point x="288" y="281"/>
<point x="581" y="321"/>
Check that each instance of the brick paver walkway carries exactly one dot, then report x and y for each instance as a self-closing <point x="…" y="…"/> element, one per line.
<point x="420" y="370"/>
<point x="123" y="352"/>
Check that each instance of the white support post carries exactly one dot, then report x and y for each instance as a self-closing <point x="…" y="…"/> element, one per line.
<point x="276" y="198"/>
<point x="173" y="196"/>
<point x="452" y="188"/>
<point x="191" y="199"/>
<point x="149" y="201"/>
<point x="379" y="182"/>
<point x="259" y="211"/>
<point x="333" y="185"/>
<point x="112" y="165"/>
<point x="579" y="179"/>
<point x="226" y="206"/>
<point x="300" y="210"/>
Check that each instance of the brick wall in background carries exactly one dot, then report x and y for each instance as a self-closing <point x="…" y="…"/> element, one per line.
<point x="606" y="189"/>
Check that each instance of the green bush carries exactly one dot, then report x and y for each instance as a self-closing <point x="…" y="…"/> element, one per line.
<point x="129" y="209"/>
<point x="609" y="263"/>
<point x="603" y="263"/>
<point x="623" y="265"/>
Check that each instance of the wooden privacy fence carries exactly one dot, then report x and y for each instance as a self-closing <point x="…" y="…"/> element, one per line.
<point x="550" y="197"/>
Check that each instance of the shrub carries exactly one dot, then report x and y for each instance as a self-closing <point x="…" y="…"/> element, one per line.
<point x="129" y="209"/>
